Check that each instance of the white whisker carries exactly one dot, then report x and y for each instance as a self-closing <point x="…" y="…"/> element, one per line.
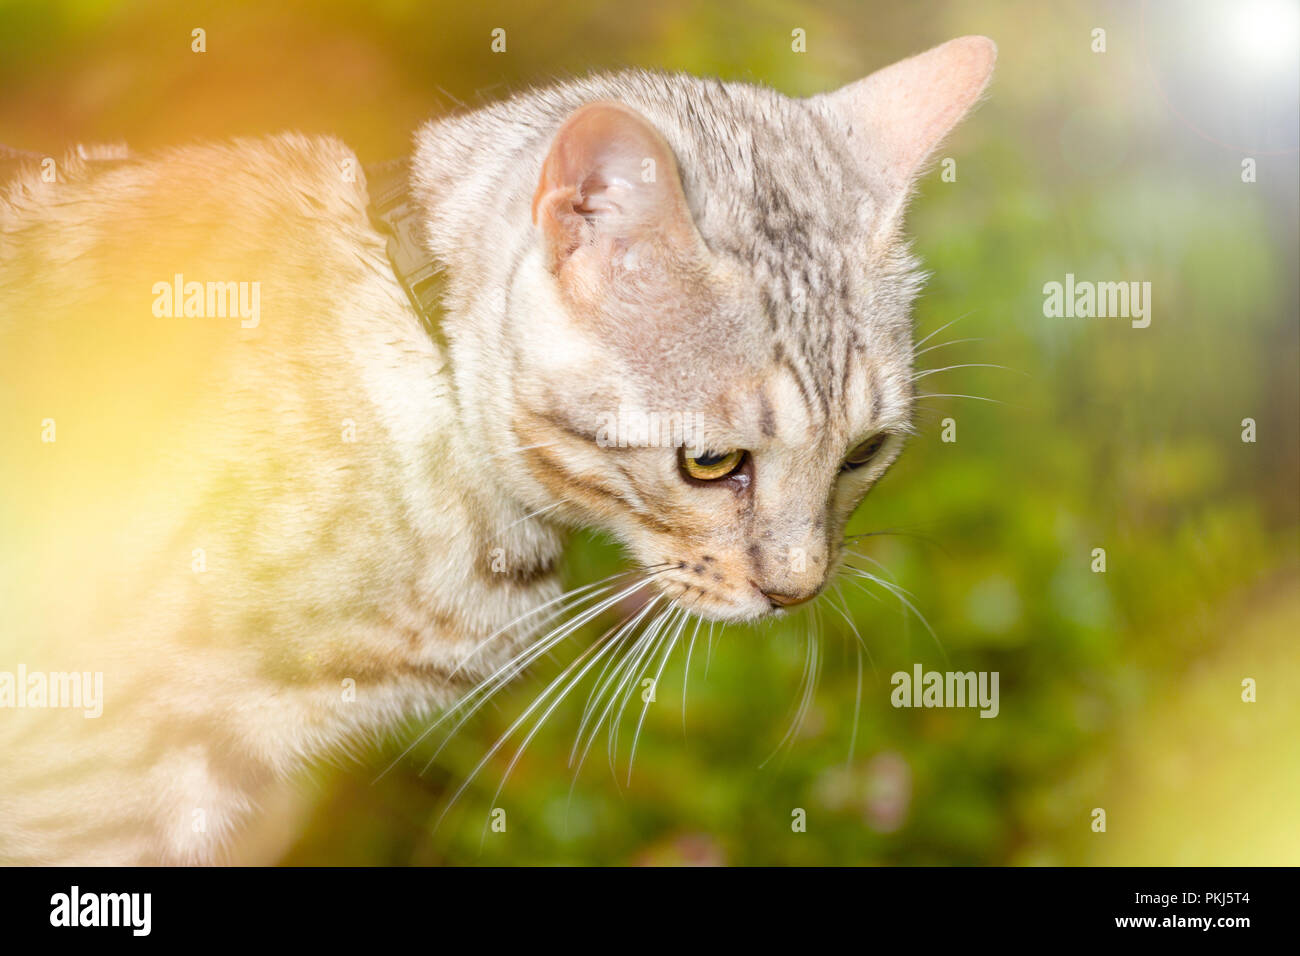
<point x="534" y="514"/>
<point x="537" y="702"/>
<point x="648" y="573"/>
<point x="942" y="328"/>
<point x="866" y="557"/>
<point x="686" y="677"/>
<point x="628" y="666"/>
<point x="977" y="398"/>
<point x="709" y="659"/>
<point x="618" y="639"/>
<point x="601" y="682"/>
<point x="900" y="594"/>
<point x="682" y="621"/>
<point x="529" y="613"/>
<point x="948" y="368"/>
<point x="564" y="692"/>
<point x="808" y="682"/>
<point x="857" y="711"/>
<point x="943" y="345"/>
<point x="627" y="687"/>
<point x="843" y="610"/>
<point x="507" y="672"/>
<point x="493" y="682"/>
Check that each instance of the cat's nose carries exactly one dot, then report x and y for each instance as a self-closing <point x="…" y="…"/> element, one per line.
<point x="788" y="600"/>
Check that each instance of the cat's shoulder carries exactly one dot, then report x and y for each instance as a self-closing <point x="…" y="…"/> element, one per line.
<point x="288" y="175"/>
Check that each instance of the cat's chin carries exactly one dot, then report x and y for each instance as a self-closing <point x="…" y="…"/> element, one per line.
<point x="725" y="612"/>
<point x="725" y="603"/>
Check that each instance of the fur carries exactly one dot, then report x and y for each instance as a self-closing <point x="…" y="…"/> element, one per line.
<point x="276" y="541"/>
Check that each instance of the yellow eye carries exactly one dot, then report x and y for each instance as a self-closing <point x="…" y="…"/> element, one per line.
<point x="864" y="452"/>
<point x="710" y="466"/>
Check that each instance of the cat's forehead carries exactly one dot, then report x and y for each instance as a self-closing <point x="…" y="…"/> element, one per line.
<point x="802" y="321"/>
<point x="782" y="203"/>
<point x="782" y="346"/>
<point x="779" y="192"/>
<point x="758" y="381"/>
<point x="767" y="177"/>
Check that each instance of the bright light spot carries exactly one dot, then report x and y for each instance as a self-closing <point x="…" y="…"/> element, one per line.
<point x="1265" y="33"/>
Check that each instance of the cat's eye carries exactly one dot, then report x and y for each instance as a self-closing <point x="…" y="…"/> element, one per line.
<point x="711" y="466"/>
<point x="863" y="453"/>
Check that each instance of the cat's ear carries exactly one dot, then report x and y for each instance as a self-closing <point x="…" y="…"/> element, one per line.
<point x="896" y="117"/>
<point x="609" y="183"/>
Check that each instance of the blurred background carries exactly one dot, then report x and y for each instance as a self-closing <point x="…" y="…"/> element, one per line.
<point x="1120" y="690"/>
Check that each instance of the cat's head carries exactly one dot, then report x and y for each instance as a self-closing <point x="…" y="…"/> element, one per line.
<point x="679" y="308"/>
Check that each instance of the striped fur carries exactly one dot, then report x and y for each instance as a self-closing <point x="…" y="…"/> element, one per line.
<point x="277" y="541"/>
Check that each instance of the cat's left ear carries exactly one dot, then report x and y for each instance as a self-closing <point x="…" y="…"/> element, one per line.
<point x="896" y="117"/>
<point x="609" y="183"/>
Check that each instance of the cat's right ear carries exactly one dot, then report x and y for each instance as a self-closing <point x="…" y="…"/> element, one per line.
<point x="896" y="117"/>
<point x="609" y="183"/>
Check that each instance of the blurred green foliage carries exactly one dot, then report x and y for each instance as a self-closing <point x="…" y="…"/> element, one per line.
<point x="1099" y="435"/>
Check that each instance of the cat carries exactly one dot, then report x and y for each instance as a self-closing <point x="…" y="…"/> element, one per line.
<point x="274" y="539"/>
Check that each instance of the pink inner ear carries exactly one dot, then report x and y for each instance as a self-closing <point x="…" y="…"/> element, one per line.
<point x="609" y="175"/>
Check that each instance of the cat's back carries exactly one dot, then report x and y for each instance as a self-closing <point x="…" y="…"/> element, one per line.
<point x="186" y="339"/>
<point x="85" y="238"/>
<point x="216" y="410"/>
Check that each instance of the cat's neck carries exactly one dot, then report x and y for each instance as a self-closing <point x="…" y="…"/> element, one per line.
<point x="476" y="558"/>
<point x="490" y="559"/>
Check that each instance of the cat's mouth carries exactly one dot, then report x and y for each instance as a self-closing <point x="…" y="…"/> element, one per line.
<point x="715" y="598"/>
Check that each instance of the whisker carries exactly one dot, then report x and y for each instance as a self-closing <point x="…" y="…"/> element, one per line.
<point x="948" y="368"/>
<point x="534" y="514"/>
<point x="899" y="594"/>
<point x="493" y="682"/>
<point x="604" y="602"/>
<point x="616" y="640"/>
<point x="452" y="709"/>
<point x="507" y="672"/>
<point x="648" y="572"/>
<point x="895" y="533"/>
<point x="627" y="666"/>
<point x="682" y="621"/>
<point x="807" y="685"/>
<point x="500" y="742"/>
<point x="843" y="610"/>
<point x="709" y="659"/>
<point x="601" y="682"/>
<point x="867" y="557"/>
<point x="977" y="398"/>
<point x="857" y="711"/>
<point x="943" y="345"/>
<point x="627" y="687"/>
<point x="686" y="677"/>
<point x="943" y="327"/>
<point x="901" y="532"/>
<point x="566" y="601"/>
<point x="564" y="692"/>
